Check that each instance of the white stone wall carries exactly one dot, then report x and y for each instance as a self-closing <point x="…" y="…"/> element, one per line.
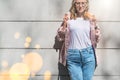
<point x="39" y="20"/>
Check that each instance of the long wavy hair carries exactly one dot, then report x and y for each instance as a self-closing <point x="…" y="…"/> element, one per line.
<point x="73" y="11"/>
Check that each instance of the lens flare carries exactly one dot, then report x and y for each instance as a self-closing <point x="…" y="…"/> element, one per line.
<point x="26" y="45"/>
<point x="90" y="16"/>
<point x="19" y="71"/>
<point x="34" y="61"/>
<point x="17" y="35"/>
<point x="47" y="75"/>
<point x="4" y="75"/>
<point x="28" y="39"/>
<point x="4" y="64"/>
<point x="37" y="46"/>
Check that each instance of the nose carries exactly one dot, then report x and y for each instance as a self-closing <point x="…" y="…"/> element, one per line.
<point x="80" y="5"/>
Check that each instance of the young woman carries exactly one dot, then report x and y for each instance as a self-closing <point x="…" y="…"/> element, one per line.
<point x="80" y="35"/>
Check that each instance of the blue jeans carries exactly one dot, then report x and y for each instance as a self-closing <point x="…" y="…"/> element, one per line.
<point x="81" y="63"/>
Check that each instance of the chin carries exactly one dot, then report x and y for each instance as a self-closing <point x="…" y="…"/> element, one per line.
<point x="81" y="11"/>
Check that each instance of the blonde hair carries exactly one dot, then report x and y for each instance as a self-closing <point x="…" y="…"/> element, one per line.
<point x="73" y="12"/>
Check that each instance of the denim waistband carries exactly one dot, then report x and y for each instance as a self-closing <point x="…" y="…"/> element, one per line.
<point x="84" y="49"/>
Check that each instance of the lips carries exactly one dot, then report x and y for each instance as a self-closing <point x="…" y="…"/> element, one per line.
<point x="80" y="9"/>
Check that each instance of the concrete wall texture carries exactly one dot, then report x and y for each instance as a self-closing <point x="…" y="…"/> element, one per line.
<point x="27" y="30"/>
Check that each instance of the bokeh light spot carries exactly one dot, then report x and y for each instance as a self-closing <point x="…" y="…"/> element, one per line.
<point x="19" y="71"/>
<point x="22" y="56"/>
<point x="47" y="75"/>
<point x="26" y="45"/>
<point x="17" y="35"/>
<point x="4" y="75"/>
<point x="37" y="46"/>
<point x="4" y="64"/>
<point x="34" y="61"/>
<point x="28" y="39"/>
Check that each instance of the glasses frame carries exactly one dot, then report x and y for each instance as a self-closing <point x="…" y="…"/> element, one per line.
<point x="80" y="3"/>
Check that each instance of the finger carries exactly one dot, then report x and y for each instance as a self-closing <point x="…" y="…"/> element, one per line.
<point x="65" y="19"/>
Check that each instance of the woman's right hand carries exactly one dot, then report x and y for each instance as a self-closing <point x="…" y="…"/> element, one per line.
<point x="65" y="19"/>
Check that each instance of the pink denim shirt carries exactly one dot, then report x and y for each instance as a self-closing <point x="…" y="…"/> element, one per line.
<point x="64" y="35"/>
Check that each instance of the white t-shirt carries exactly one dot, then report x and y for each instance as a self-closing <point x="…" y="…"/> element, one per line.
<point x="79" y="33"/>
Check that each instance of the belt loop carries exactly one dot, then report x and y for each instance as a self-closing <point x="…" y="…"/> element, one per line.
<point x="88" y="49"/>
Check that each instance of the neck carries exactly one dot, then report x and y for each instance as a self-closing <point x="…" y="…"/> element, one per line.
<point x="80" y="15"/>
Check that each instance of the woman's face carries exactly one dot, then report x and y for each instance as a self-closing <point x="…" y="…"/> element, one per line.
<point x="80" y="5"/>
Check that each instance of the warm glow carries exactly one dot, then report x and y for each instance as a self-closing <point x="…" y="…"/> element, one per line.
<point x="90" y="16"/>
<point x="37" y="46"/>
<point x="19" y="71"/>
<point x="4" y="75"/>
<point x="28" y="39"/>
<point x="32" y="74"/>
<point x="47" y="75"/>
<point x="106" y="4"/>
<point x="4" y="64"/>
<point x="26" y="45"/>
<point x="22" y="56"/>
<point x="17" y="35"/>
<point x="34" y="61"/>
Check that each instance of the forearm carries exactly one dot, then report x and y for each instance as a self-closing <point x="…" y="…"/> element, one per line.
<point x="61" y="32"/>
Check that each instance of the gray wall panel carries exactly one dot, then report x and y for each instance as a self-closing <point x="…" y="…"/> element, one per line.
<point x="109" y="35"/>
<point x="39" y="19"/>
<point x="32" y="9"/>
<point x="108" y="60"/>
<point x="106" y="78"/>
<point x="55" y="9"/>
<point x="49" y="59"/>
<point x="105" y="10"/>
<point x="43" y="33"/>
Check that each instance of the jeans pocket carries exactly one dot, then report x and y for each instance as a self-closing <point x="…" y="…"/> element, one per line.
<point x="73" y="55"/>
<point x="91" y="51"/>
<point x="89" y="56"/>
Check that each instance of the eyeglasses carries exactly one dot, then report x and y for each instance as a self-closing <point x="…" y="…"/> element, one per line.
<point x="81" y="3"/>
